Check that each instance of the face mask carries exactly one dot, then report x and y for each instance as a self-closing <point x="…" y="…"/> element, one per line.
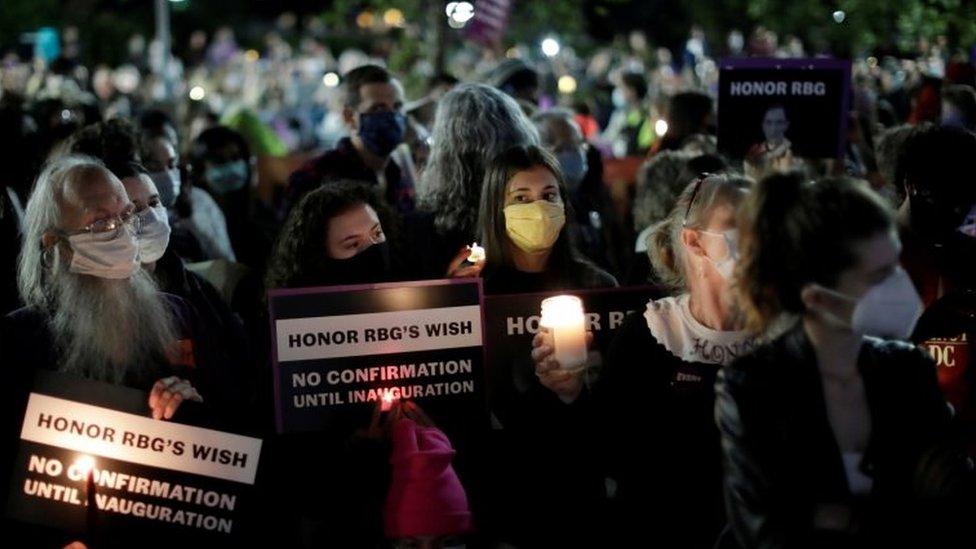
<point x="168" y="185"/>
<point x="889" y="309"/>
<point x="573" y="165"/>
<point x="153" y="234"/>
<point x="368" y="266"/>
<point x="115" y="258"/>
<point x="534" y="227"/>
<point x="726" y="267"/>
<point x="227" y="178"/>
<point x="381" y="132"/>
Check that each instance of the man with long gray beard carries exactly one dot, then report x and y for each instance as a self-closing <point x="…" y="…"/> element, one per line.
<point x="91" y="311"/>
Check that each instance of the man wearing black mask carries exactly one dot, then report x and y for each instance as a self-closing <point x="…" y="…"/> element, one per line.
<point x="372" y="112"/>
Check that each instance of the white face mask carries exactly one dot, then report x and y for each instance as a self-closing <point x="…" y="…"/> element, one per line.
<point x="153" y="233"/>
<point x="115" y="258"/>
<point x="889" y="309"/>
<point x="726" y="267"/>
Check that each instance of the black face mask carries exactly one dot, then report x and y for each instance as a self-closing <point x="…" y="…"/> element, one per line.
<point x="368" y="266"/>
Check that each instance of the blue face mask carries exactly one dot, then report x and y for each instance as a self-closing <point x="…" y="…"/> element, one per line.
<point x="227" y="178"/>
<point x="381" y="132"/>
<point x="573" y="165"/>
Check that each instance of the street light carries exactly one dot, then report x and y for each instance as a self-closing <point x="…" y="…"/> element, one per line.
<point x="550" y="47"/>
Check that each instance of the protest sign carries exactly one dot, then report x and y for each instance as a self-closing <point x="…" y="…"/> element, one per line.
<point x="340" y="350"/>
<point x="511" y="321"/>
<point x="91" y="461"/>
<point x="774" y="106"/>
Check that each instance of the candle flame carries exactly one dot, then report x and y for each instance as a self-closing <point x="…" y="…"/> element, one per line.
<point x="84" y="464"/>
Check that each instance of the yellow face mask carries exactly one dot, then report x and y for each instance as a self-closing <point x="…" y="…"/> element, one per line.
<point x="534" y="226"/>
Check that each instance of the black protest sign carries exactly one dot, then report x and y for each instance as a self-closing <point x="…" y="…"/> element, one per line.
<point x="774" y="106"/>
<point x="90" y="461"/>
<point x="511" y="321"/>
<point x="340" y="350"/>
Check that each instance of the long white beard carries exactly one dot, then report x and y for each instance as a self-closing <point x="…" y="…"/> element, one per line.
<point x="110" y="330"/>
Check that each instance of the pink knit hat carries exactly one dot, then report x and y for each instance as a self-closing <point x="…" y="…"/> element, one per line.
<point x="426" y="498"/>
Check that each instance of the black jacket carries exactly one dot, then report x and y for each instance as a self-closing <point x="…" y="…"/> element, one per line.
<point x="781" y="461"/>
<point x="654" y="423"/>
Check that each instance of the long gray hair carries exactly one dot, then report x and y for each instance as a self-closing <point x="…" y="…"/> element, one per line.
<point x="43" y="213"/>
<point x="474" y="124"/>
<point x="109" y="330"/>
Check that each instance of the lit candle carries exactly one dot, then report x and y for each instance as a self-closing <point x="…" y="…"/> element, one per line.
<point x="562" y="316"/>
<point x="477" y="254"/>
<point x="387" y="403"/>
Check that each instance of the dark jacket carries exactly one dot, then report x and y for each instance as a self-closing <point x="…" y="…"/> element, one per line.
<point x="344" y="162"/>
<point x="654" y="421"/>
<point x="782" y="463"/>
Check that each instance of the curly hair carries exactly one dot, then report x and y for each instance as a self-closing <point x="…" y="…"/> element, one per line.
<point x="474" y="124"/>
<point x="299" y="255"/>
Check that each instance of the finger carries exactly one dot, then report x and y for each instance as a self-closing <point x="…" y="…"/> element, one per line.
<point x="172" y="405"/>
<point x="159" y="387"/>
<point x="425" y="419"/>
<point x="546" y="366"/>
<point x="374" y="421"/>
<point x="540" y="353"/>
<point x="589" y="339"/>
<point x="469" y="271"/>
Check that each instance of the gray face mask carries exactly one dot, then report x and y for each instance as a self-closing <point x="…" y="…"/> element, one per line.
<point x="168" y="184"/>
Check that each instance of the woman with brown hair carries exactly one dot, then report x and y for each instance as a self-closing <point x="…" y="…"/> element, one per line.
<point x="831" y="435"/>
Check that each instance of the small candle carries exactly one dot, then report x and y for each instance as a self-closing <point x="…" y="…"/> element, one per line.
<point x="477" y="254"/>
<point x="387" y="403"/>
<point x="563" y="317"/>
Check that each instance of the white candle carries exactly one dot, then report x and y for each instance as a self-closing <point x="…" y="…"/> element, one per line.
<point x="477" y="254"/>
<point x="562" y="316"/>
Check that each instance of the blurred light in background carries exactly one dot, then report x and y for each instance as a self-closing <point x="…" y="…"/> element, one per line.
<point x="365" y="20"/>
<point x="330" y="80"/>
<point x="550" y="47"/>
<point x="661" y="127"/>
<point x="197" y="93"/>
<point x="459" y="13"/>
<point x="566" y="84"/>
<point x="393" y="17"/>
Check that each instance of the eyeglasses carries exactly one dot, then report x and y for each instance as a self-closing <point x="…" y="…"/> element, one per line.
<point x="694" y="194"/>
<point x="108" y="228"/>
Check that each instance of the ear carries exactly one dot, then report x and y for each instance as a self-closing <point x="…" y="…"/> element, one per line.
<point x="692" y="241"/>
<point x="350" y="118"/>
<point x="49" y="239"/>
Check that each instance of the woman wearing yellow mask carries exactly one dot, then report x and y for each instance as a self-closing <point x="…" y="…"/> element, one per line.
<point x="523" y="223"/>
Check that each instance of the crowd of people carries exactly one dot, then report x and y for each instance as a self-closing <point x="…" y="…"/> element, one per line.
<point x="791" y="387"/>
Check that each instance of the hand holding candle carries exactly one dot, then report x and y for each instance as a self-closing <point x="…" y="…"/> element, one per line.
<point x="468" y="262"/>
<point x="563" y="318"/>
<point x="477" y="254"/>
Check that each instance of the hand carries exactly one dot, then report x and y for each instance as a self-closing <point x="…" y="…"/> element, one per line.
<point x="75" y="545"/>
<point x="566" y="385"/>
<point x="460" y="268"/>
<point x="410" y="410"/>
<point x="167" y="395"/>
